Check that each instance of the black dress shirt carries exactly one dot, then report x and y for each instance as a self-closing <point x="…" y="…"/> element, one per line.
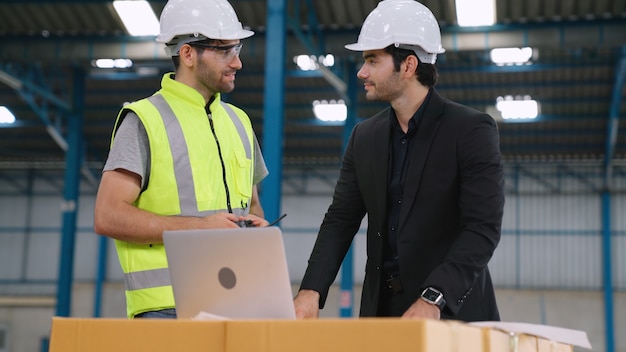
<point x="399" y="157"/>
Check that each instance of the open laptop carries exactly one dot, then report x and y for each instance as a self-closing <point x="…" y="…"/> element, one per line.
<point x="229" y="273"/>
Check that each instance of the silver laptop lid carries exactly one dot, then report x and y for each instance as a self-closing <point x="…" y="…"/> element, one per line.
<point x="233" y="273"/>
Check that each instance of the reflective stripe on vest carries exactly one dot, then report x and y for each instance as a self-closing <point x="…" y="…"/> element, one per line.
<point x="147" y="279"/>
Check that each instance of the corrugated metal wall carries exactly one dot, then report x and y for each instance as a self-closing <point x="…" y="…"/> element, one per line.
<point x="552" y="229"/>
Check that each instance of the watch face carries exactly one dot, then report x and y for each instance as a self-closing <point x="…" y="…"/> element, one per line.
<point x="431" y="295"/>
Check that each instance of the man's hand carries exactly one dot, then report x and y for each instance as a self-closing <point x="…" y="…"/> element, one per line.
<point x="255" y="220"/>
<point x="218" y="221"/>
<point x="307" y="303"/>
<point x="422" y="310"/>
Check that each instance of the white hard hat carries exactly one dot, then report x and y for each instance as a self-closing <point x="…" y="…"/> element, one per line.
<point x="185" y="21"/>
<point x="404" y="23"/>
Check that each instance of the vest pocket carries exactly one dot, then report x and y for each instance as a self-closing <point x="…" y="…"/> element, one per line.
<point x="242" y="176"/>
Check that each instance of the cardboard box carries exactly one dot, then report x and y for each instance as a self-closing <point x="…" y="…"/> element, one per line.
<point x="544" y="345"/>
<point x="512" y="336"/>
<point x="466" y="337"/>
<point x="500" y="341"/>
<point x="362" y="335"/>
<point x="497" y="340"/>
<point x="494" y="339"/>
<point x="119" y="335"/>
<point x="345" y="335"/>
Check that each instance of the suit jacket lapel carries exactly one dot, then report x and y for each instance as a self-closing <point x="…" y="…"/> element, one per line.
<point x="420" y="149"/>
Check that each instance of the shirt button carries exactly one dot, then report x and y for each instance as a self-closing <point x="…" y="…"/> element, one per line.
<point x="403" y="140"/>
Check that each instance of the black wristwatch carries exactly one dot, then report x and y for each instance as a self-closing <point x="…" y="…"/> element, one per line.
<point x="434" y="297"/>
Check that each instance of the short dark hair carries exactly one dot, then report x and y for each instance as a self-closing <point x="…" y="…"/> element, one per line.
<point x="426" y="73"/>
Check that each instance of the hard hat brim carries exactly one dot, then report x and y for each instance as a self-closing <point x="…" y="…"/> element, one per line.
<point x="242" y="34"/>
<point x="361" y="47"/>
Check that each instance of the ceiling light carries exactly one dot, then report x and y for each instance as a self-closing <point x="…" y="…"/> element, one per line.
<point x="475" y="12"/>
<point x="112" y="63"/>
<point x="518" y="108"/>
<point x="511" y="56"/>
<point x="311" y="62"/>
<point x="6" y="116"/>
<point x="328" y="60"/>
<point x="138" y="17"/>
<point x="305" y="62"/>
<point x="330" y="110"/>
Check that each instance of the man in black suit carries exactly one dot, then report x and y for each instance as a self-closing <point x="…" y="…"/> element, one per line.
<point x="427" y="172"/>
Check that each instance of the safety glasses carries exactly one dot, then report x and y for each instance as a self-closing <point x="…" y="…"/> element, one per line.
<point x="225" y="53"/>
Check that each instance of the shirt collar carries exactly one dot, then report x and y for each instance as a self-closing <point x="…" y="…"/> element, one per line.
<point x="413" y="122"/>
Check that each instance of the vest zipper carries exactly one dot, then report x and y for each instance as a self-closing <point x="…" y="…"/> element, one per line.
<point x="219" y="151"/>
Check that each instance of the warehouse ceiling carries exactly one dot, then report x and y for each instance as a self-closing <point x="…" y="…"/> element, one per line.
<point x="577" y="75"/>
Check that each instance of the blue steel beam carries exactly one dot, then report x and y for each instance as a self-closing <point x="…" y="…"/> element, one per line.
<point x="535" y="67"/>
<point x="607" y="264"/>
<point x="70" y="198"/>
<point x="614" y="111"/>
<point x="600" y="25"/>
<point x="607" y="272"/>
<point x="32" y="93"/>
<point x="101" y="273"/>
<point x="477" y="66"/>
<point x="346" y="304"/>
<point x="507" y="27"/>
<point x="314" y="25"/>
<point x="27" y="89"/>
<point x="331" y="77"/>
<point x="273" y="110"/>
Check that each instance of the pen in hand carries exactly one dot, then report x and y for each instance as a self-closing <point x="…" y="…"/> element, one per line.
<point x="277" y="220"/>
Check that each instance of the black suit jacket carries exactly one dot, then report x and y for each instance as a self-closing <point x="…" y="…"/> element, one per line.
<point x="450" y="219"/>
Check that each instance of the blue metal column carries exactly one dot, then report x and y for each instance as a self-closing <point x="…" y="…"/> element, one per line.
<point x="70" y="197"/>
<point x="346" y="301"/>
<point x="607" y="263"/>
<point x="607" y="271"/>
<point x="101" y="274"/>
<point x="273" y="108"/>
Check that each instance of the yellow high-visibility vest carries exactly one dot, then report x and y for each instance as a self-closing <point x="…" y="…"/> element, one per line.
<point x="186" y="178"/>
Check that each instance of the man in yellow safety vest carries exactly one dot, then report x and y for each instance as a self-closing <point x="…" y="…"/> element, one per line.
<point x="181" y="158"/>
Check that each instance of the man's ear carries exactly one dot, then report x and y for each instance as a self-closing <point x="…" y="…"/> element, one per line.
<point x="410" y="65"/>
<point x="187" y="55"/>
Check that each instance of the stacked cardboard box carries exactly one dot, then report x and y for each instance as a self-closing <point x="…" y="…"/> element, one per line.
<point x="519" y="337"/>
<point x="501" y="341"/>
<point x="373" y="334"/>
